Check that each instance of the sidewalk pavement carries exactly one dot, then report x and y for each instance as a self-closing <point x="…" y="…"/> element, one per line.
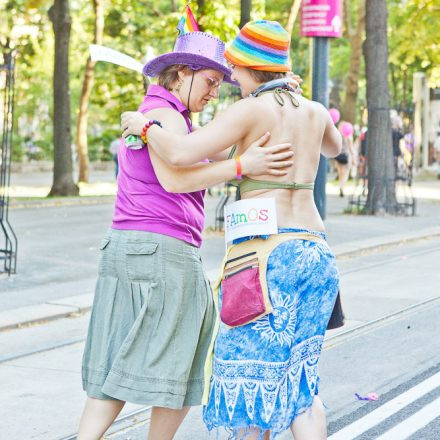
<point x="348" y="235"/>
<point x="31" y="188"/>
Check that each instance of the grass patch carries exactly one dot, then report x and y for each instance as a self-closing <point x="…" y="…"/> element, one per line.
<point x="355" y="210"/>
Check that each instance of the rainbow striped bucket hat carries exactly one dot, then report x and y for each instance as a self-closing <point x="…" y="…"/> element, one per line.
<point x="261" y="45"/>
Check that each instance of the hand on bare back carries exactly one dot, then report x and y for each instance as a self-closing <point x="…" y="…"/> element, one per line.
<point x="256" y="160"/>
<point x="274" y="160"/>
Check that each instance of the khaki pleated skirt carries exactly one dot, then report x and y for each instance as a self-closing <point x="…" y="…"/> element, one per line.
<point x="151" y="322"/>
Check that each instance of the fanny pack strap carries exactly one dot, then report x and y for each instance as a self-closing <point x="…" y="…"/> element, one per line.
<point x="263" y="248"/>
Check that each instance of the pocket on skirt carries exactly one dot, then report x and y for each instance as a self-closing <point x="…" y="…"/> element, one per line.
<point x="104" y="243"/>
<point x="103" y="258"/>
<point x="142" y="260"/>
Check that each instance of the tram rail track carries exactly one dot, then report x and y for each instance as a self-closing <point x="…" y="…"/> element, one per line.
<point x="140" y="418"/>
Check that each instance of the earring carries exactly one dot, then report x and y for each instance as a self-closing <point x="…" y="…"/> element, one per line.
<point x="179" y="85"/>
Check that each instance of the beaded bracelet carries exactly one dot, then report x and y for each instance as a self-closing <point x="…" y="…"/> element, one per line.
<point x="146" y="127"/>
<point x="238" y="168"/>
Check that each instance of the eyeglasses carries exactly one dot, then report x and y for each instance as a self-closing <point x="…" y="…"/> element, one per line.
<point x="212" y="82"/>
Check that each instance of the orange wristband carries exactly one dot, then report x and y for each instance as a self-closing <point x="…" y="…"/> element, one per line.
<point x="238" y="174"/>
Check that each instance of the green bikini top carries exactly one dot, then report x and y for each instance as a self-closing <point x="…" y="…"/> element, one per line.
<point x="246" y="184"/>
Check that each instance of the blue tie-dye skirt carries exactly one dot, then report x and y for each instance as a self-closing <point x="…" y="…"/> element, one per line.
<point x="265" y="373"/>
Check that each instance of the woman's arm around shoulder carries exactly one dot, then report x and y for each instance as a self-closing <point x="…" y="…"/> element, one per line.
<point x="227" y="128"/>
<point x="274" y="160"/>
<point x="269" y="160"/>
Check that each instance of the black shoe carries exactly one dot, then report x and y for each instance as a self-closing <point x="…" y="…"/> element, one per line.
<point x="341" y="193"/>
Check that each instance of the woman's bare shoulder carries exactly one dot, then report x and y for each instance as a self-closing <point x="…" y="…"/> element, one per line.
<point x="243" y="111"/>
<point x="244" y="104"/>
<point x="315" y="109"/>
<point x="309" y="103"/>
<point x="304" y="103"/>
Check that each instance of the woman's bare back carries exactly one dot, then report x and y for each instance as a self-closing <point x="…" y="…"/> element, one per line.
<point x="303" y="127"/>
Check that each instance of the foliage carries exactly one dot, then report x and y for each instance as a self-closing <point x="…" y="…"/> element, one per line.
<point x="99" y="145"/>
<point x="414" y="44"/>
<point x="148" y="27"/>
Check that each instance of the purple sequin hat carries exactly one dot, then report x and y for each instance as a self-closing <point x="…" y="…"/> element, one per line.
<point x="197" y="50"/>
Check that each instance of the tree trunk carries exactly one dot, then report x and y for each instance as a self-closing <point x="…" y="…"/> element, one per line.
<point x="63" y="184"/>
<point x="292" y="15"/>
<point x="173" y="6"/>
<point x="335" y="93"/>
<point x="245" y="12"/>
<point x="83" y="112"/>
<point x="351" y="84"/>
<point x="381" y="182"/>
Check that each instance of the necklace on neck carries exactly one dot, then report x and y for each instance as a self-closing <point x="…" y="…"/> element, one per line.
<point x="278" y="87"/>
<point x="281" y="83"/>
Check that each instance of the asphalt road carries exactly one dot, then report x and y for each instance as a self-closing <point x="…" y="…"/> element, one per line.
<point x="391" y="352"/>
<point x="58" y="246"/>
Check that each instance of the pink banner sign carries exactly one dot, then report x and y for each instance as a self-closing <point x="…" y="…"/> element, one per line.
<point x="321" y="18"/>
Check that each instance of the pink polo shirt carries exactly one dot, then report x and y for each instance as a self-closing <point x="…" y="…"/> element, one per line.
<point x="141" y="202"/>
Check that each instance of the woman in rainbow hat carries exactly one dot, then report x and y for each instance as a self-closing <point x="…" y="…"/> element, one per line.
<point x="152" y="318"/>
<point x="262" y="376"/>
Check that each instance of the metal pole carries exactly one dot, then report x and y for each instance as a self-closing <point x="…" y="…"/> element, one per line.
<point x="320" y="94"/>
<point x="8" y="254"/>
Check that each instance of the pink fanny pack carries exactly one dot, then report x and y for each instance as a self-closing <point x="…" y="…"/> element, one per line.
<point x="245" y="295"/>
<point x="243" y="299"/>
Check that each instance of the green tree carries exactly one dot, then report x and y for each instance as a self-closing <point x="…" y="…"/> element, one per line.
<point x="245" y="12"/>
<point x="63" y="184"/>
<point x="355" y="34"/>
<point x="82" y="119"/>
<point x="25" y="25"/>
<point x="414" y="46"/>
<point x="284" y="11"/>
<point x="293" y="14"/>
<point x="381" y="183"/>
